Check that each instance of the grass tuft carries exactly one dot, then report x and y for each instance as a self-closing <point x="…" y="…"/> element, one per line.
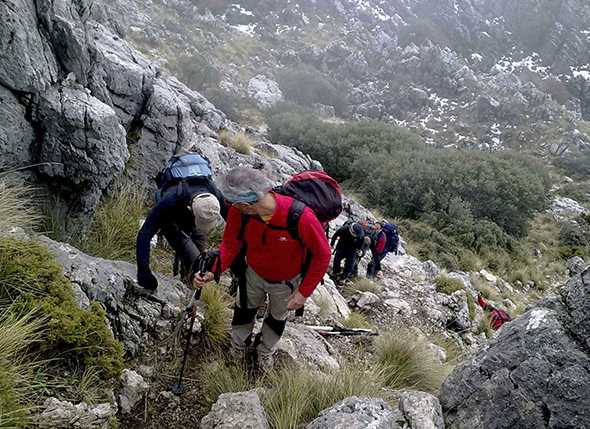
<point x="16" y="208"/>
<point x="220" y="377"/>
<point x="356" y="320"/>
<point x="361" y="284"/>
<point x="470" y="305"/>
<point x="296" y="396"/>
<point x="406" y="362"/>
<point x="448" y="285"/>
<point x="114" y="228"/>
<point x="217" y="312"/>
<point x="18" y="372"/>
<point x="240" y="142"/>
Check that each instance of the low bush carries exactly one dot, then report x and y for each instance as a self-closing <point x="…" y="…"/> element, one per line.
<point x="406" y="362"/>
<point x="306" y="86"/>
<point x="31" y="280"/>
<point x="448" y="285"/>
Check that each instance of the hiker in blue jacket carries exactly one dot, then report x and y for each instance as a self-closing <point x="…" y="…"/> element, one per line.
<point x="185" y="215"/>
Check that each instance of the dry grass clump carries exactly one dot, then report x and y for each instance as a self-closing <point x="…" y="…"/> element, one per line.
<point x="406" y="362"/>
<point x="240" y="142"/>
<point x="16" y="208"/>
<point x="114" y="228"/>
<point x="356" y="320"/>
<point x="217" y="315"/>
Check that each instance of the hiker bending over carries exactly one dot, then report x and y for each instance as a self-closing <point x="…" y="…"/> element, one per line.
<point x="185" y="214"/>
<point x="497" y="316"/>
<point x="351" y="247"/>
<point x="384" y="240"/>
<point x="285" y="268"/>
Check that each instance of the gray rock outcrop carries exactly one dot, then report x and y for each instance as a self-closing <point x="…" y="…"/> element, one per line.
<point x="134" y="387"/>
<point x="301" y="346"/>
<point x="264" y="90"/>
<point x="355" y="412"/>
<point x="82" y="139"/>
<point x="136" y="317"/>
<point x="421" y="410"/>
<point x="242" y="410"/>
<point x="64" y="414"/>
<point x="535" y="374"/>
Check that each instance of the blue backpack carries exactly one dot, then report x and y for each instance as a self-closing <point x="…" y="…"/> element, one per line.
<point x="392" y="237"/>
<point x="186" y="169"/>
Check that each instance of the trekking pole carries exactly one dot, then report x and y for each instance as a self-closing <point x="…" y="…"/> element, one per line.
<point x="178" y="388"/>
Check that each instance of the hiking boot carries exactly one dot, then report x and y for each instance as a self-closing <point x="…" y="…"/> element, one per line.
<point x="265" y="361"/>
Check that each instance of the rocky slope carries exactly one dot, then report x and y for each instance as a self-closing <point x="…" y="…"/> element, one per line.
<point x="467" y="73"/>
<point x="536" y="373"/>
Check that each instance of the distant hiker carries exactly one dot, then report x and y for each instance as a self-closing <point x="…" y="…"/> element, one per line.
<point x="496" y="316"/>
<point x="351" y="247"/>
<point x="287" y="253"/>
<point x="384" y="240"/>
<point x="188" y="207"/>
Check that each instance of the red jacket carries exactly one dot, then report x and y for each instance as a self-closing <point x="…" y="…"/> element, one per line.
<point x="273" y="254"/>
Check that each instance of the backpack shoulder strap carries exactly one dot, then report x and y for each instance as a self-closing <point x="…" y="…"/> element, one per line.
<point x="293" y="217"/>
<point x="243" y="223"/>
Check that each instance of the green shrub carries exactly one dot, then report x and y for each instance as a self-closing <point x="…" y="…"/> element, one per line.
<point x="115" y="224"/>
<point x="217" y="314"/>
<point x="448" y="285"/>
<point x="306" y="86"/>
<point x="406" y="362"/>
<point x="16" y="208"/>
<point x="195" y="71"/>
<point x="32" y="280"/>
<point x="356" y="320"/>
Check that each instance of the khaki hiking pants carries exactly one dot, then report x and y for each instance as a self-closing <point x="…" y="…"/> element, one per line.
<point x="276" y="314"/>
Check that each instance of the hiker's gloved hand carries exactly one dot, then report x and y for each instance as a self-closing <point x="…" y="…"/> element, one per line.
<point x="296" y="301"/>
<point x="146" y="279"/>
<point x="200" y="279"/>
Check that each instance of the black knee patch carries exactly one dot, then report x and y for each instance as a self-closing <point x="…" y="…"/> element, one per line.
<point x="277" y="326"/>
<point x="243" y="316"/>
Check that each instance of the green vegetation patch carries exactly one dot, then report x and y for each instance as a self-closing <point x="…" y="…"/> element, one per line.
<point x="32" y="281"/>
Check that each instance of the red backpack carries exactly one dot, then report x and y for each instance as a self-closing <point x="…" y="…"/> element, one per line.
<point x="313" y="189"/>
<point x="498" y="317"/>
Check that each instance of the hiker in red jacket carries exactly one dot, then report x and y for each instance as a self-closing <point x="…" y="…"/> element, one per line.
<point x="497" y="316"/>
<point x="278" y="265"/>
